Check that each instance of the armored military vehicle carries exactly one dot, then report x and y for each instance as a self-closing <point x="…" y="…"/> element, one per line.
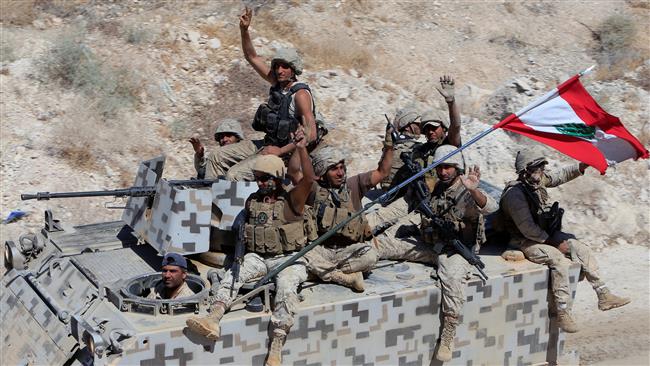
<point x="76" y="296"/>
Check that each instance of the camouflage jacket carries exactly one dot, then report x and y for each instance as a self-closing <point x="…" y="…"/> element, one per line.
<point x="518" y="215"/>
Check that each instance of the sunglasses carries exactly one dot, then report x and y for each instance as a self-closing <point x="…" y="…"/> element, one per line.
<point x="264" y="178"/>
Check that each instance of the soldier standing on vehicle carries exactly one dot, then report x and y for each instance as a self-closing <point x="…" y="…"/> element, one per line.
<point x="275" y="227"/>
<point x="232" y="149"/>
<point x="172" y="285"/>
<point x="334" y="197"/>
<point x="456" y="200"/>
<point x="290" y="103"/>
<point x="535" y="228"/>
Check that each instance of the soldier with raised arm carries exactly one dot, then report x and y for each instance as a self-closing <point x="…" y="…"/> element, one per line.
<point x="275" y="227"/>
<point x="290" y="103"/>
<point x="232" y="149"/>
<point x="535" y="228"/>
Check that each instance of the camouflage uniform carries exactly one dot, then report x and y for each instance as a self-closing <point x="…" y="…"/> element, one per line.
<point x="155" y="293"/>
<point x="526" y="235"/>
<point x="286" y="298"/>
<point x="218" y="162"/>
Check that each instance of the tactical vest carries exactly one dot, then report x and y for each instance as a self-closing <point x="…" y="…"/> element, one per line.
<point x="278" y="122"/>
<point x="396" y="176"/>
<point x="331" y="207"/>
<point x="452" y="208"/>
<point x="423" y="156"/>
<point x="267" y="231"/>
<point x="549" y="218"/>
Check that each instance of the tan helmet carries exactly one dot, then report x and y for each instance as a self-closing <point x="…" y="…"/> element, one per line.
<point x="229" y="125"/>
<point x="405" y="117"/>
<point x="290" y="56"/>
<point x="270" y="164"/>
<point x="527" y="158"/>
<point x="326" y="157"/>
<point x="456" y="159"/>
<point x="435" y="118"/>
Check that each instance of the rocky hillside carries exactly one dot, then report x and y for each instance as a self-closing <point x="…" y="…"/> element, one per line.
<point x="89" y="89"/>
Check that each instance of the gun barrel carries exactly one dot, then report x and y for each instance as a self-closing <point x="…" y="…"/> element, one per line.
<point x="133" y="192"/>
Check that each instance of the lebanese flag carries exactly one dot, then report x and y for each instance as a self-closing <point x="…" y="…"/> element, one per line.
<point x="569" y="120"/>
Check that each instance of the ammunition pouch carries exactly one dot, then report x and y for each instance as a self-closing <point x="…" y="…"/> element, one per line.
<point x="278" y="130"/>
<point x="329" y="216"/>
<point x="550" y="220"/>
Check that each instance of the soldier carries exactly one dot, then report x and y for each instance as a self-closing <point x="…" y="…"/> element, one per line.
<point x="173" y="285"/>
<point x="534" y="228"/>
<point x="274" y="229"/>
<point x="457" y="199"/>
<point x="290" y="103"/>
<point x="343" y="257"/>
<point x="232" y="149"/>
<point x="438" y="130"/>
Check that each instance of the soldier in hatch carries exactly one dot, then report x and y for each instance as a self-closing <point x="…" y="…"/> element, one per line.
<point x="290" y="103"/>
<point x="232" y="149"/>
<point x="173" y="285"/>
<point x="456" y="199"/>
<point x="525" y="212"/>
<point x="275" y="227"/>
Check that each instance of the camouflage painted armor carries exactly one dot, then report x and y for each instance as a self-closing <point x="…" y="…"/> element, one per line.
<point x="267" y="231"/>
<point x="332" y="207"/>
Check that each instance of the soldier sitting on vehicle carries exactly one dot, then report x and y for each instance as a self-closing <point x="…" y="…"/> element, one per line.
<point x="275" y="227"/>
<point x="172" y="285"/>
<point x="534" y="227"/>
<point x="334" y="197"/>
<point x="232" y="149"/>
<point x="457" y="201"/>
<point x="290" y="103"/>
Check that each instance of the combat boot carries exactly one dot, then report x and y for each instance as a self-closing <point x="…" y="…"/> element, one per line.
<point x="208" y="326"/>
<point x="565" y="321"/>
<point x="607" y="300"/>
<point x="352" y="280"/>
<point x="275" y="350"/>
<point x="513" y="255"/>
<point x="446" y="347"/>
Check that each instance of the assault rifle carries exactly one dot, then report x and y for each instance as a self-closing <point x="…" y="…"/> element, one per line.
<point x="445" y="227"/>
<point x="239" y="255"/>
<point x="126" y="192"/>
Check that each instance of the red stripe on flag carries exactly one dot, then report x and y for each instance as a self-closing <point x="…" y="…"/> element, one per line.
<point x="574" y="147"/>
<point x="592" y="114"/>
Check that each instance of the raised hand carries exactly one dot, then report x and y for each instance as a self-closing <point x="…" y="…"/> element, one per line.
<point x="471" y="178"/>
<point x="245" y="18"/>
<point x="299" y="137"/>
<point x="446" y="88"/>
<point x="196" y="145"/>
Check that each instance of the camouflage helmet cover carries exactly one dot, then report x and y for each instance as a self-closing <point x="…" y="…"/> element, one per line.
<point x="229" y="125"/>
<point x="325" y="158"/>
<point x="405" y="117"/>
<point x="435" y="118"/>
<point x="290" y="56"/>
<point x="443" y="150"/>
<point x="527" y="158"/>
<point x="270" y="164"/>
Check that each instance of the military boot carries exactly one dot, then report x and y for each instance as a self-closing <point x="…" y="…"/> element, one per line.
<point x="275" y="350"/>
<point x="607" y="300"/>
<point x="352" y="280"/>
<point x="565" y="321"/>
<point x="208" y="326"/>
<point x="447" y="339"/>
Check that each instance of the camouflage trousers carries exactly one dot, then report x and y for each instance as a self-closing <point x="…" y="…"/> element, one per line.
<point x="322" y="260"/>
<point x="220" y="161"/>
<point x="559" y="264"/>
<point x="287" y="282"/>
<point x="387" y="216"/>
<point x="402" y="242"/>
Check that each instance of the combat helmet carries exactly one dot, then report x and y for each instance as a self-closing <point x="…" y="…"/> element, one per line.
<point x="290" y="56"/>
<point x="270" y="164"/>
<point x="435" y="118"/>
<point x="229" y="125"/>
<point x="326" y="157"/>
<point x="456" y="159"/>
<point x="405" y="117"/>
<point x="528" y="157"/>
